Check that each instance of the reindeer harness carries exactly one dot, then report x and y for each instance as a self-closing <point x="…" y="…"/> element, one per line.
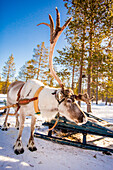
<point x="25" y="101"/>
<point x="36" y="108"/>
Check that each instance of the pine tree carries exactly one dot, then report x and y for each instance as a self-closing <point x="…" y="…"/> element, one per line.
<point x="38" y="67"/>
<point x="108" y="82"/>
<point x="92" y="17"/>
<point x="41" y="58"/>
<point x="8" y="73"/>
<point x="67" y="61"/>
<point x="77" y="28"/>
<point x="28" y="70"/>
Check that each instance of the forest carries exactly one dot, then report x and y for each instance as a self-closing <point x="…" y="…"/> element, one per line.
<point x="85" y="64"/>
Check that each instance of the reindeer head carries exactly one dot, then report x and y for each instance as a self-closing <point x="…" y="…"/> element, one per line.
<point x="68" y="107"/>
<point x="67" y="104"/>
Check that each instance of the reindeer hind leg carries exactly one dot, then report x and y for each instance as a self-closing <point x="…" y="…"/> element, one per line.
<point x="5" y="125"/>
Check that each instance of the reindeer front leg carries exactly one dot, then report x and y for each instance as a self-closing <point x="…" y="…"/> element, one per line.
<point x="31" y="145"/>
<point x="18" y="147"/>
<point x="16" y="115"/>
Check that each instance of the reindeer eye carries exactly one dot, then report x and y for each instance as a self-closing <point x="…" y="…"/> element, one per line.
<point x="69" y="100"/>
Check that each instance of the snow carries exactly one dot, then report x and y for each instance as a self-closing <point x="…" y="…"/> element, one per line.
<point x="51" y="155"/>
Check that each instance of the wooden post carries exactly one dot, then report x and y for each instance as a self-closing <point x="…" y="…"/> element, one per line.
<point x="50" y="131"/>
<point x="84" y="138"/>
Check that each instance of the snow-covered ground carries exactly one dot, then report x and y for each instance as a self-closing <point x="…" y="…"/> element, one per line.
<point x="50" y="155"/>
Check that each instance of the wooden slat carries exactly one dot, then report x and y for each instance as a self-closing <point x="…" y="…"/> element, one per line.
<point x="72" y="143"/>
<point x="89" y="127"/>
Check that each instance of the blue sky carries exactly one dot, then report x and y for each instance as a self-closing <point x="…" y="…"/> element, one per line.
<point x="19" y="34"/>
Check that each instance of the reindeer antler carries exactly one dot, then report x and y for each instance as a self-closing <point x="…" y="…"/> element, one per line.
<point x="54" y="35"/>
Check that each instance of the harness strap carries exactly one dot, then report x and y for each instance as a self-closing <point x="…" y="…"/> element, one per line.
<point x="37" y="111"/>
<point x="18" y="95"/>
<point x="58" y="116"/>
<point x="59" y="102"/>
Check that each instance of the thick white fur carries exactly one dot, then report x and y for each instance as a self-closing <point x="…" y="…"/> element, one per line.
<point x="47" y="102"/>
<point x="48" y="105"/>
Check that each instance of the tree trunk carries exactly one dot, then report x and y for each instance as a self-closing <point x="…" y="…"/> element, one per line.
<point x="80" y="82"/>
<point x="89" y="72"/>
<point x="38" y="72"/>
<point x="6" y="84"/>
<point x="81" y="65"/>
<point x="97" y="94"/>
<point x="110" y="101"/>
<point x="89" y="92"/>
<point x="102" y="97"/>
<point x="73" y="74"/>
<point x="97" y="88"/>
<point x="90" y="57"/>
<point x="106" y="99"/>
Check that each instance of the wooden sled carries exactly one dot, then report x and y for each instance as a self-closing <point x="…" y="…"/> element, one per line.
<point x="85" y="129"/>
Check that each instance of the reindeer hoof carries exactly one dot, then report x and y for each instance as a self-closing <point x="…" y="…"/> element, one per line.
<point x="4" y="128"/>
<point x="17" y="126"/>
<point x="17" y="152"/>
<point x="32" y="148"/>
<point x="18" y="148"/>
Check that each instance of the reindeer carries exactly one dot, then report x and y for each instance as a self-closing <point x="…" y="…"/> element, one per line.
<point x="50" y="101"/>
